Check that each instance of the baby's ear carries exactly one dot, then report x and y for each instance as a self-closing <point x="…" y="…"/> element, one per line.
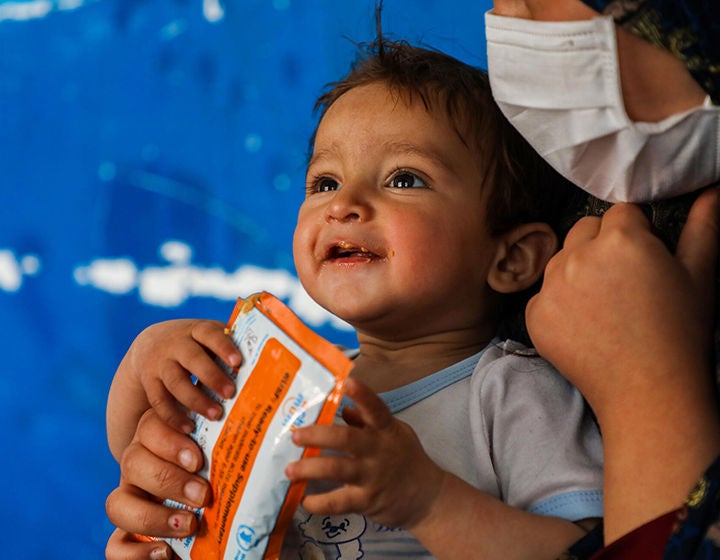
<point x="522" y="254"/>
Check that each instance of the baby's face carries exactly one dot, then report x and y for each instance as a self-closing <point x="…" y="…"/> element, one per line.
<point x="392" y="230"/>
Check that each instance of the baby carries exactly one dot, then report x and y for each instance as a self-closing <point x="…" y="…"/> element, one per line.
<point x="426" y="224"/>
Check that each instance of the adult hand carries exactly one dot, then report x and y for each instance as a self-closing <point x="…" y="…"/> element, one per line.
<point x="158" y="464"/>
<point x="615" y="302"/>
<point x="544" y="10"/>
<point x="655" y="83"/>
<point x="630" y="325"/>
<point x="125" y="546"/>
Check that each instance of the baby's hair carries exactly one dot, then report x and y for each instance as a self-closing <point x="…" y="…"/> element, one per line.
<point x="523" y="188"/>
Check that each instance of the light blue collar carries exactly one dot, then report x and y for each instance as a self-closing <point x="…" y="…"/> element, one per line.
<point x="407" y="395"/>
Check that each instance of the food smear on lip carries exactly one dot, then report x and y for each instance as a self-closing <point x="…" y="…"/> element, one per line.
<point x="349" y="246"/>
<point x="349" y="253"/>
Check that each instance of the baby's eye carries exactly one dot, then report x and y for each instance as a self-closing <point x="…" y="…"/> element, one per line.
<point x="406" y="180"/>
<point x="323" y="184"/>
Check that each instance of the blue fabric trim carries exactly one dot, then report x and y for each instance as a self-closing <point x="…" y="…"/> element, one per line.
<point x="571" y="506"/>
<point x="403" y="397"/>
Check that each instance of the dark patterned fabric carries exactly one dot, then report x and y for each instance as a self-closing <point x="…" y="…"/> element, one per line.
<point x="689" y="29"/>
<point x="694" y="531"/>
<point x="587" y="546"/>
<point x="696" y="534"/>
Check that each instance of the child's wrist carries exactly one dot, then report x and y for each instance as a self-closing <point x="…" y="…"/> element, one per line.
<point x="431" y="510"/>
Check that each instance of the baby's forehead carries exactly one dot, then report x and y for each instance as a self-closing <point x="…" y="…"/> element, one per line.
<point x="361" y="107"/>
<point x="466" y="114"/>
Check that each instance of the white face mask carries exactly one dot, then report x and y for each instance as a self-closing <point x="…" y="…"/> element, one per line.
<point x="558" y="83"/>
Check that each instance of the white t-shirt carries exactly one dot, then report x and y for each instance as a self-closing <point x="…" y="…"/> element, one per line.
<point x="504" y="421"/>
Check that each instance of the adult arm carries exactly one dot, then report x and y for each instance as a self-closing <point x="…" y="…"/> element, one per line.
<point x="655" y="84"/>
<point x="631" y="326"/>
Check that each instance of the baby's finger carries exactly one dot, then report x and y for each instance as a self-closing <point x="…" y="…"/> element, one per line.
<point x="125" y="546"/>
<point x="335" y="502"/>
<point x="167" y="407"/>
<point x="372" y="410"/>
<point x="335" y="468"/>
<point x="342" y="439"/>
<point x="176" y="382"/>
<point x="213" y="335"/>
<point x="352" y="417"/>
<point x="199" y="363"/>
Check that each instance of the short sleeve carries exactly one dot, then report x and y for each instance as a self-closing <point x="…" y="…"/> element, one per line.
<point x="543" y="443"/>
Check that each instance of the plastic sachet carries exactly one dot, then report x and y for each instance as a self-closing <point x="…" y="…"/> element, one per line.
<point x="290" y="377"/>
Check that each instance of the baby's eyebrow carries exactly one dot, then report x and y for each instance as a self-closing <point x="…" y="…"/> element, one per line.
<point x="392" y="148"/>
<point x="318" y="157"/>
<point x="410" y="149"/>
<point x="333" y="151"/>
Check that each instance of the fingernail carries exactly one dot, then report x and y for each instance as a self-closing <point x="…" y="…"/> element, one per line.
<point x="187" y="427"/>
<point x="159" y="554"/>
<point x="234" y="360"/>
<point x="214" y="412"/>
<point x="195" y="492"/>
<point x="180" y="521"/>
<point x="187" y="459"/>
<point x="228" y="390"/>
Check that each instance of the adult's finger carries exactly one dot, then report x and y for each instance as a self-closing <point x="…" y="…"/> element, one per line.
<point x="584" y="230"/>
<point x="697" y="247"/>
<point x="626" y="217"/>
<point x="133" y="510"/>
<point x="162" y="478"/>
<point x="168" y="444"/>
<point x="124" y="546"/>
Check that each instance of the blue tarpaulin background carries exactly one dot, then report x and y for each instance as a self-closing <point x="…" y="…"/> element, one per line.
<point x="151" y="164"/>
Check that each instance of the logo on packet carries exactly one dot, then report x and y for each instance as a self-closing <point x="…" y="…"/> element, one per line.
<point x="294" y="411"/>
<point x="245" y="537"/>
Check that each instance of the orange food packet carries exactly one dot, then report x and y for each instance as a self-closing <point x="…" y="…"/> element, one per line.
<point x="290" y="377"/>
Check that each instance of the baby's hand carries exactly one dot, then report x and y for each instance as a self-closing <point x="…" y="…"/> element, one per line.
<point x="163" y="357"/>
<point x="383" y="468"/>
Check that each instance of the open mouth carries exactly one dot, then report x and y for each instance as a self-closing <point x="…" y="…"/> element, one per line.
<point x="349" y="252"/>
